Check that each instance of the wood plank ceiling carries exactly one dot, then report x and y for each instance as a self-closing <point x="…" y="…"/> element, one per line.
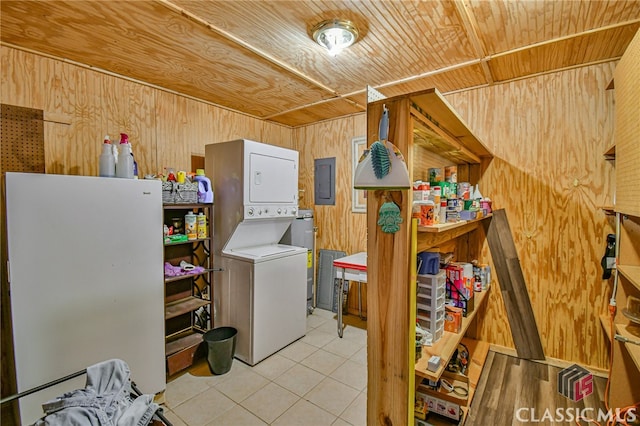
<point x="257" y="57"/>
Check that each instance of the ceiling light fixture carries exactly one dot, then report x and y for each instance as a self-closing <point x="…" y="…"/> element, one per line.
<point x="335" y="34"/>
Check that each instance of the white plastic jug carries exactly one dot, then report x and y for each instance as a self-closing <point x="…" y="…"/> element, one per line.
<point x="124" y="166"/>
<point x="205" y="192"/>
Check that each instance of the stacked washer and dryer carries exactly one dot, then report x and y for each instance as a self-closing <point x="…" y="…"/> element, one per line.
<point x="261" y="290"/>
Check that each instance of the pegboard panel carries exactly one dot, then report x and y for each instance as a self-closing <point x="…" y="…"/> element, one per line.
<point x="627" y="90"/>
<point x="22" y="140"/>
<point x="373" y="95"/>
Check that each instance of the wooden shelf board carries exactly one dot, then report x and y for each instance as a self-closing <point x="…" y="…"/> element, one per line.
<point x="186" y="242"/>
<point x="631" y="273"/>
<point x="185" y="276"/>
<point x="428" y="238"/>
<point x="447" y="344"/>
<point x="442" y="227"/>
<point x="185" y="341"/>
<point x="478" y="352"/>
<point x="441" y="114"/>
<point x="631" y="331"/>
<point x="610" y="210"/>
<point x="610" y="153"/>
<point x="179" y="307"/>
<point x="186" y="206"/>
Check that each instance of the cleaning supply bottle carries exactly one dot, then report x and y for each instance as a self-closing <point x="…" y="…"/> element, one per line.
<point x="107" y="161"/>
<point x="205" y="192"/>
<point x="135" y="163"/>
<point x="124" y="168"/>
<point x="201" y="226"/>
<point x="190" y="226"/>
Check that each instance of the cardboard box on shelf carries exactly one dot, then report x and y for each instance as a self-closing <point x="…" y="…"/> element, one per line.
<point x="452" y="319"/>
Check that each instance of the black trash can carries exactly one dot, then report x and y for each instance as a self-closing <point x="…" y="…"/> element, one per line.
<point x="221" y="347"/>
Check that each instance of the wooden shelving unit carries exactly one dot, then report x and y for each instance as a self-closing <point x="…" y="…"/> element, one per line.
<point x="182" y="306"/>
<point x="632" y="273"/>
<point x="428" y="133"/>
<point x="631" y="331"/>
<point x="429" y="238"/>
<point x="187" y="293"/>
<point x="610" y="210"/>
<point x="625" y="370"/>
<point x="445" y="347"/>
<point x="442" y="227"/>
<point x="478" y="352"/>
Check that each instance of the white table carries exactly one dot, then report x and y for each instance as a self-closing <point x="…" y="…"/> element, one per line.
<point x="352" y="268"/>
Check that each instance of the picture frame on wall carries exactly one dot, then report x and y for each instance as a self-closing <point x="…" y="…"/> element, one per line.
<point x="359" y="196"/>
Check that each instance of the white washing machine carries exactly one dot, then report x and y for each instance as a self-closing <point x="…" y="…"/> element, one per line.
<point x="266" y="298"/>
<point x="261" y="291"/>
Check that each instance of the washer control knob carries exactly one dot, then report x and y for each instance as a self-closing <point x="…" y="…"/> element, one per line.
<point x="279" y="211"/>
<point x="251" y="211"/>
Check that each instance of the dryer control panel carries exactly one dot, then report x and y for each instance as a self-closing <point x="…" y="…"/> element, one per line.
<point x="269" y="211"/>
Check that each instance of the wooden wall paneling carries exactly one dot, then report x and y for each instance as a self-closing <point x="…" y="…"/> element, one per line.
<point x="172" y="118"/>
<point x="88" y="126"/>
<point x="129" y="107"/>
<point x="549" y="175"/>
<point x="627" y="88"/>
<point x="577" y="225"/>
<point x="338" y="227"/>
<point x="68" y="145"/>
<point x="21" y="79"/>
<point x="423" y="160"/>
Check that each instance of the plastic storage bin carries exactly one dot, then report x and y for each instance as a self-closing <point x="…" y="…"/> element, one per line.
<point x="430" y="302"/>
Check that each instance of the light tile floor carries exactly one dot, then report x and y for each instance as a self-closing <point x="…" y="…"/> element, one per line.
<point x="318" y="380"/>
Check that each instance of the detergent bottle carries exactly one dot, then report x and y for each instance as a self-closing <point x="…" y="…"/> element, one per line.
<point x="124" y="167"/>
<point x="205" y="192"/>
<point x="107" y="161"/>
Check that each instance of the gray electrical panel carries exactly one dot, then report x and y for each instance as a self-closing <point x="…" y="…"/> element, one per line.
<point x="324" y="179"/>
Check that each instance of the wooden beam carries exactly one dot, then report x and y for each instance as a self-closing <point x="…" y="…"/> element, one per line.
<point x="388" y="277"/>
<point x="471" y="28"/>
<point x="522" y="321"/>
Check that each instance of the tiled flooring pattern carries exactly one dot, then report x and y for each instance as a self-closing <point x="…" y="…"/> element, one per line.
<point x="317" y="380"/>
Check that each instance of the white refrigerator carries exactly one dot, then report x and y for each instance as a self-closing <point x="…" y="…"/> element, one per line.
<point x="86" y="281"/>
